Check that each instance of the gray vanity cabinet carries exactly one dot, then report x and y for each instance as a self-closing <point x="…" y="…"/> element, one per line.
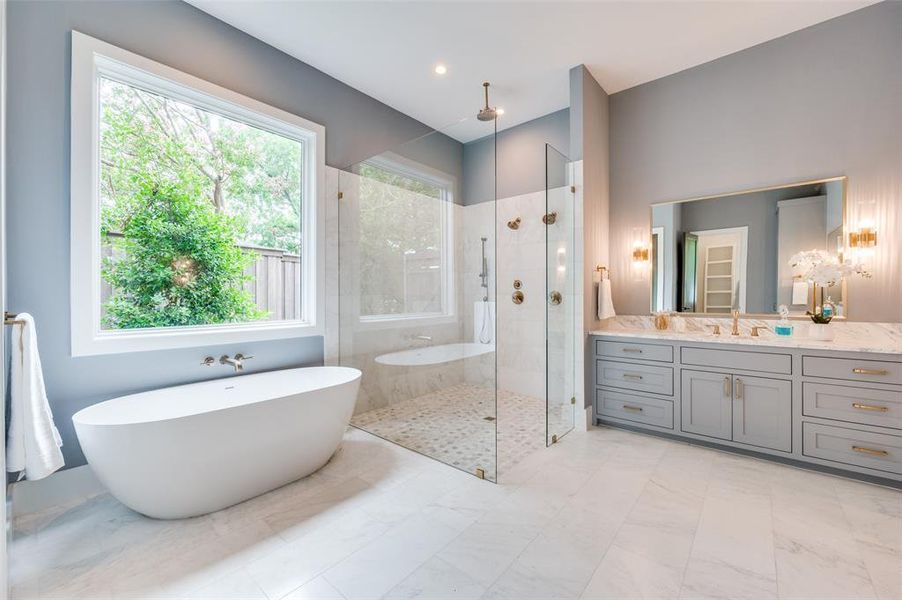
<point x="837" y="410"/>
<point x="750" y="410"/>
<point x="707" y="407"/>
<point x="762" y="412"/>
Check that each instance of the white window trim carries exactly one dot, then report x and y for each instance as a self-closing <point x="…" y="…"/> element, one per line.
<point x="91" y="57"/>
<point x="395" y="163"/>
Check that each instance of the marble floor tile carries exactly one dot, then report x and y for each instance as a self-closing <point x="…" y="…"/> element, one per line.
<point x="439" y="580"/>
<point x="602" y="514"/>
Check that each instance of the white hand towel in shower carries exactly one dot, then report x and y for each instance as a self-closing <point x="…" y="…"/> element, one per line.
<point x="33" y="446"/>
<point x="605" y="303"/>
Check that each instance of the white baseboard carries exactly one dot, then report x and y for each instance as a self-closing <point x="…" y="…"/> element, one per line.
<point x="64" y="487"/>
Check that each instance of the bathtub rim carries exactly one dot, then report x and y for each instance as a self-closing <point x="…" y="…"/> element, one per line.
<point x="81" y="416"/>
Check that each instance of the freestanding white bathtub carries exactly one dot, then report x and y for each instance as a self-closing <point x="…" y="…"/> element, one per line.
<point x="193" y="449"/>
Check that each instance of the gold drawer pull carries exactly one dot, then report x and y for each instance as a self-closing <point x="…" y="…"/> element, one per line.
<point x="870" y="371"/>
<point x="870" y="451"/>
<point x="636" y="350"/>
<point x="632" y="408"/>
<point x="860" y="406"/>
<point x="631" y="376"/>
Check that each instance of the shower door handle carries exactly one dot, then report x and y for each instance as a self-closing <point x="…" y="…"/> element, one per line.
<point x="555" y="297"/>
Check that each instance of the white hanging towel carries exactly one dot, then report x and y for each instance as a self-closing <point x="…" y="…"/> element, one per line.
<point x="800" y="292"/>
<point x="605" y="303"/>
<point x="33" y="447"/>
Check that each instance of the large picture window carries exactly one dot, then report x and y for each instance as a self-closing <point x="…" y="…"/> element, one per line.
<point x="200" y="207"/>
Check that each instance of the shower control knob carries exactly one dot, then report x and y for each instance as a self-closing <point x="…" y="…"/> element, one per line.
<point x="517" y="284"/>
<point x="555" y="297"/>
<point x="517" y="297"/>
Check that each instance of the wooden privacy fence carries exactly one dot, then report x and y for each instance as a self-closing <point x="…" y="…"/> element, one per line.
<point x="274" y="283"/>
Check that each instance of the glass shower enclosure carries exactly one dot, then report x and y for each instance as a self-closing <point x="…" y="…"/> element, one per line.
<point x="431" y="266"/>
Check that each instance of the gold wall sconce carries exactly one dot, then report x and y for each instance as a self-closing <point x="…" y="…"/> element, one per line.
<point x="865" y="237"/>
<point x="640" y="254"/>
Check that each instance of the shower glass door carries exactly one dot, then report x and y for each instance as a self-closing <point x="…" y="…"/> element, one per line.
<point x="560" y="298"/>
<point x="416" y="301"/>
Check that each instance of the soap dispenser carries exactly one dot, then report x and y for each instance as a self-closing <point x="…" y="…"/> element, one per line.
<point x="783" y="326"/>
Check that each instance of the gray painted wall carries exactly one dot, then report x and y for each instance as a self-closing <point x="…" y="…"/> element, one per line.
<point x="820" y="102"/>
<point x="181" y="36"/>
<point x="521" y="158"/>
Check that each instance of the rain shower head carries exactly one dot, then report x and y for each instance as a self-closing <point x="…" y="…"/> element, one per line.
<point x="488" y="113"/>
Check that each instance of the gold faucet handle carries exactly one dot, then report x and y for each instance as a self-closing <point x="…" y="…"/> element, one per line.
<point x="757" y="328"/>
<point x="717" y="330"/>
<point x="240" y="356"/>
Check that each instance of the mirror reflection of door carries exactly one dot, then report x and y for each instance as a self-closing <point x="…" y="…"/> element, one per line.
<point x="688" y="281"/>
<point x="721" y="270"/>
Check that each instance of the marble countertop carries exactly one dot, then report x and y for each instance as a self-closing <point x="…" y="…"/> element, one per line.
<point x="882" y="338"/>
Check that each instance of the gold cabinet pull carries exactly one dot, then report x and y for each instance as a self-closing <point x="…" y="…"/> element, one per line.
<point x="727" y="387"/>
<point x="871" y="451"/>
<point x="870" y="371"/>
<point x="861" y="406"/>
<point x="635" y="350"/>
<point x="739" y="388"/>
<point x="631" y="376"/>
<point x="632" y="408"/>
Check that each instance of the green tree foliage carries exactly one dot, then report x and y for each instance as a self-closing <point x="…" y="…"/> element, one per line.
<point x="177" y="264"/>
<point x="171" y="169"/>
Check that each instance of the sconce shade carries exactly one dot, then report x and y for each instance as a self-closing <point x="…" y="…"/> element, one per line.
<point x="865" y="237"/>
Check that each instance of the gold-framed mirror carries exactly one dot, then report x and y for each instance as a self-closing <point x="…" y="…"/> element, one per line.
<point x="716" y="254"/>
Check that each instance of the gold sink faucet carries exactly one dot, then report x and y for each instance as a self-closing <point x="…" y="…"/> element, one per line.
<point x="735" y="330"/>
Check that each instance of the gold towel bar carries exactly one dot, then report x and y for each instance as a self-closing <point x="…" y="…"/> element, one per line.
<point x="10" y="319"/>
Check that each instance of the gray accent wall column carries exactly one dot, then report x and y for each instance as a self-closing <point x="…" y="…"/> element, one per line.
<point x="589" y="126"/>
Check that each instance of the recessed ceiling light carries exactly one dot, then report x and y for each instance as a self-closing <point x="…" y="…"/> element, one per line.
<point x="440" y="69"/>
<point x="499" y="111"/>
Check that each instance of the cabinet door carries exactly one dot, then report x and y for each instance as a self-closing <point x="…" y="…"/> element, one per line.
<point x="707" y="404"/>
<point x="762" y="412"/>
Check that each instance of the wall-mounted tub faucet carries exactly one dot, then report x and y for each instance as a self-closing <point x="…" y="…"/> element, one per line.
<point x="237" y="362"/>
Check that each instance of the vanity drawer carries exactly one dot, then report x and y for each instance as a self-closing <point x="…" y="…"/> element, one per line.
<point x="638" y="378"/>
<point x="877" y="371"/>
<point x="878" y="451"/>
<point x="653" y="352"/>
<point x="627" y="407"/>
<point x="769" y="362"/>
<point x="853" y="404"/>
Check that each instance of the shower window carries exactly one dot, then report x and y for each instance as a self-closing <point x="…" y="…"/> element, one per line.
<point x="200" y="206"/>
<point x="405" y="236"/>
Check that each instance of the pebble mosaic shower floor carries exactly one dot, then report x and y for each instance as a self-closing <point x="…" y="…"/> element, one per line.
<point x="456" y="425"/>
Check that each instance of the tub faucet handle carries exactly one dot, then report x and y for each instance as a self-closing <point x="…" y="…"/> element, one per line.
<point x="208" y="362"/>
<point x="237" y="363"/>
<point x="240" y="356"/>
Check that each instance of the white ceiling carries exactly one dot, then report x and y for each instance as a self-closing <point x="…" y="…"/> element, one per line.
<point x="388" y="49"/>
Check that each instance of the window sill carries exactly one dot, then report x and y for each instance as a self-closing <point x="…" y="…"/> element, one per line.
<point x="145" y="340"/>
